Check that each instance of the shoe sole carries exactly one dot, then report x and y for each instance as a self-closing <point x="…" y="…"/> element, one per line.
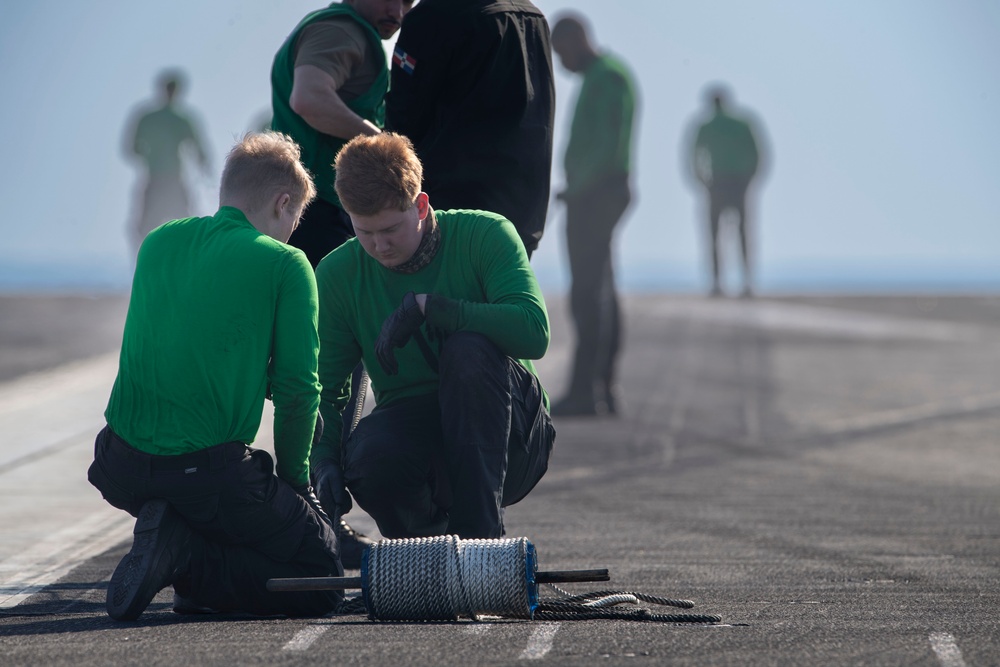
<point x="146" y="568"/>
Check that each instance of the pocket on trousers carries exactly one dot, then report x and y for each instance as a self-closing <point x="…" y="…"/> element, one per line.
<point x="524" y="418"/>
<point x="117" y="495"/>
<point x="263" y="460"/>
<point x="113" y="492"/>
<point x="530" y="460"/>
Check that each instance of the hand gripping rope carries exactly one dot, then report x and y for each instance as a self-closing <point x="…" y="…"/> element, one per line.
<point x="445" y="578"/>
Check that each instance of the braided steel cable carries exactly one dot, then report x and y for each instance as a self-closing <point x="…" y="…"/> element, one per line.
<point x="586" y="598"/>
<point x="444" y="578"/>
<point x="601" y="605"/>
<point x="604" y="608"/>
<point x="557" y="611"/>
<point x="359" y="404"/>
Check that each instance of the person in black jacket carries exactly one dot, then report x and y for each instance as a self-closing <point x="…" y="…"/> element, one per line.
<point x="472" y="87"/>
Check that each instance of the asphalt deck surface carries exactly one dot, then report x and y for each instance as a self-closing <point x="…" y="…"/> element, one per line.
<point x="822" y="472"/>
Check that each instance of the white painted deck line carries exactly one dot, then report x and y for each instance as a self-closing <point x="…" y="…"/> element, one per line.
<point x="946" y="650"/>
<point x="540" y="641"/>
<point x="28" y="572"/>
<point x="304" y="638"/>
<point x="902" y="416"/>
<point x="814" y="320"/>
<point x="40" y="413"/>
<point x="55" y="385"/>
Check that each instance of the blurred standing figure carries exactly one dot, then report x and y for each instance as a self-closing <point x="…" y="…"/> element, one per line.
<point x="597" y="165"/>
<point x="158" y="139"/>
<point x="725" y="160"/>
<point x="472" y="87"/>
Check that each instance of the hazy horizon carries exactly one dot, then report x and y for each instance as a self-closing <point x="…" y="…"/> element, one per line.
<point x="880" y="119"/>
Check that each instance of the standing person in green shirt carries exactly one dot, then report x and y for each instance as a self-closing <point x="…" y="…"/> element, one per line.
<point x="222" y="312"/>
<point x="328" y="84"/>
<point x="725" y="160"/>
<point x="597" y="165"/>
<point x="159" y="138"/>
<point x="446" y="313"/>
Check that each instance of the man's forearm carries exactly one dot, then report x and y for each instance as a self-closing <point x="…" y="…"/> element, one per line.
<point x="520" y="330"/>
<point x="339" y="121"/>
<point x="293" y="431"/>
<point x="331" y="407"/>
<point x="314" y="97"/>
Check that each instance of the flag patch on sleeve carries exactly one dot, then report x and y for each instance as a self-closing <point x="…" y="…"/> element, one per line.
<point x="403" y="60"/>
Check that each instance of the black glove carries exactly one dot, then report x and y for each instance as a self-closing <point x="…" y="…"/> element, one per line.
<point x="397" y="330"/>
<point x="310" y="497"/>
<point x="328" y="481"/>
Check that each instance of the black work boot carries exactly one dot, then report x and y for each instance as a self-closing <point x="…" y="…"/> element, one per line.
<point x="352" y="544"/>
<point x="161" y="546"/>
<point x="190" y="606"/>
<point x="613" y="401"/>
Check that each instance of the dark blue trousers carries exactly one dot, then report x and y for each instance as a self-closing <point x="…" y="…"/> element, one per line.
<point x="448" y="463"/>
<point x="591" y="219"/>
<point x="249" y="525"/>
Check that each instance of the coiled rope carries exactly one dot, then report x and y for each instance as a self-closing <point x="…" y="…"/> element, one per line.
<point x="445" y="578"/>
<point x="602" y="605"/>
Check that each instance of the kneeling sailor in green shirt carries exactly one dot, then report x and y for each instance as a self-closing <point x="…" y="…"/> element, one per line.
<point x="446" y="314"/>
<point x="222" y="310"/>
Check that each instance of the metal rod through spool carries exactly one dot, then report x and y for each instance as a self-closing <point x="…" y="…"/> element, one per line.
<point x="343" y="583"/>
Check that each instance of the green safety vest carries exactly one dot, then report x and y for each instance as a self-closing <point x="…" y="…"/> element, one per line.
<point x="319" y="149"/>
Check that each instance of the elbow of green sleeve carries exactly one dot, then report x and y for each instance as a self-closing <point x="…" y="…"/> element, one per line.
<point x="534" y="342"/>
<point x="537" y="347"/>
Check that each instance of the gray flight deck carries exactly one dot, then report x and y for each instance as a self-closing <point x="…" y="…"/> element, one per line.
<point x="822" y="472"/>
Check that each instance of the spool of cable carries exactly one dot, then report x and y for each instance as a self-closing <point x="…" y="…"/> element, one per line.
<point x="444" y="578"/>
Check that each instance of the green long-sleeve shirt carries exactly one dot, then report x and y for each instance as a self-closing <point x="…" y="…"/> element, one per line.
<point x="160" y="137"/>
<point x="218" y="310"/>
<point x="481" y="270"/>
<point x="600" y="142"/>
<point x="729" y="145"/>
